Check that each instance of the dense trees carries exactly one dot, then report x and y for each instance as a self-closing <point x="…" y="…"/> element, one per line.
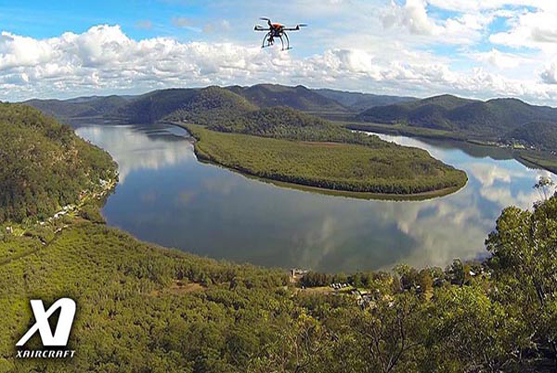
<point x="337" y="166"/>
<point x="285" y="123"/>
<point x="43" y="164"/>
<point x="143" y="308"/>
<point x="508" y="120"/>
<point x="524" y="248"/>
<point x="539" y="134"/>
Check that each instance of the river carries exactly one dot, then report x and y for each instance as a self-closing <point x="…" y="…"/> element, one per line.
<point x="166" y="196"/>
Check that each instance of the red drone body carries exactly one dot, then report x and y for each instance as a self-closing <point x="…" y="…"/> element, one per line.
<point x="276" y="30"/>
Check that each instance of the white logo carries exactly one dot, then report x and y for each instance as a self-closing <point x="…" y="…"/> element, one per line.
<point x="62" y="329"/>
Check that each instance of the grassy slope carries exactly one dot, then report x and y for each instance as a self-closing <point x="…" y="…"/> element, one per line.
<point x="328" y="165"/>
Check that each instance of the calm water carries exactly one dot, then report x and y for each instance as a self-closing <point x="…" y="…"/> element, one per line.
<point x="167" y="197"/>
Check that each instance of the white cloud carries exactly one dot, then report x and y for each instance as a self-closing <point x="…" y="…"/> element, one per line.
<point x="549" y="75"/>
<point x="413" y="16"/>
<point x="218" y="26"/>
<point x="501" y="60"/>
<point x="104" y="60"/>
<point x="532" y="29"/>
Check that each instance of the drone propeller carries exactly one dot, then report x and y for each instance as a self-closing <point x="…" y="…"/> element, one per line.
<point x="266" y="19"/>
<point x="302" y="25"/>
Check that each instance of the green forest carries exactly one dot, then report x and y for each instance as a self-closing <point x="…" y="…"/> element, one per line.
<point x="144" y="308"/>
<point x="330" y="165"/>
<point x="286" y="123"/>
<point x="503" y="120"/>
<point x="44" y="166"/>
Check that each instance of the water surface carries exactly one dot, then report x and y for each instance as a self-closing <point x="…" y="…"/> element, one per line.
<point x="167" y="197"/>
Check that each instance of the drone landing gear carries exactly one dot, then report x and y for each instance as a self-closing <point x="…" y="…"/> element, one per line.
<point x="269" y="41"/>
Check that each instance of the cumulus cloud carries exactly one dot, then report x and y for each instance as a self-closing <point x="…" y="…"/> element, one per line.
<point x="532" y="29"/>
<point x="549" y="75"/>
<point x="104" y="60"/>
<point x="501" y="60"/>
<point x="413" y="16"/>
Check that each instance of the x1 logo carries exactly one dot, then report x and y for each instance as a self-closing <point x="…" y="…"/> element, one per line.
<point x="62" y="329"/>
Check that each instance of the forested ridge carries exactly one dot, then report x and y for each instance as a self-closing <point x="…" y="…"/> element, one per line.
<point x="44" y="165"/>
<point x="504" y="120"/>
<point x="286" y="123"/>
<point x="374" y="166"/>
<point x="299" y="97"/>
<point x="143" y="308"/>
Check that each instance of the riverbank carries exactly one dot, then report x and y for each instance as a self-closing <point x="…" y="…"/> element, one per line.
<point x="530" y="158"/>
<point x="335" y="168"/>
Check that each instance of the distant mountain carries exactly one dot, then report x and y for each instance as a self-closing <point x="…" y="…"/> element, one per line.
<point x="358" y="102"/>
<point x="81" y="107"/>
<point x="505" y="118"/>
<point x="155" y="105"/>
<point x="299" y="98"/>
<point x="196" y="105"/>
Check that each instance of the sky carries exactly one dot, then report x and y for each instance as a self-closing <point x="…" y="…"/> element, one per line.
<point x="472" y="48"/>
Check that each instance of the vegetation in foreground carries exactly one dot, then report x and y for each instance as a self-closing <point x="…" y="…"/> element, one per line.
<point x="337" y="166"/>
<point x="145" y="308"/>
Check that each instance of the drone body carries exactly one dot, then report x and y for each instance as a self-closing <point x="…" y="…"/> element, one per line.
<point x="276" y="30"/>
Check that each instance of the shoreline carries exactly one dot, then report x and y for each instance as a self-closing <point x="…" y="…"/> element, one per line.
<point x="421" y="196"/>
<point x="520" y="155"/>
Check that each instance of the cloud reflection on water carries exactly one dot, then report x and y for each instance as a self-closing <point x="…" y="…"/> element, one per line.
<point x="175" y="201"/>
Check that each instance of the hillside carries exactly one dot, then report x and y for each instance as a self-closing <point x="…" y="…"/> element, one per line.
<point x="44" y="165"/>
<point x="81" y="107"/>
<point x="358" y="102"/>
<point x="299" y="98"/>
<point x="199" y="105"/>
<point x="536" y="134"/>
<point x="497" y="119"/>
<point x="286" y="123"/>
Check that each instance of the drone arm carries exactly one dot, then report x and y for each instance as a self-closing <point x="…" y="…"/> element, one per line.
<point x="260" y="28"/>
<point x="297" y="28"/>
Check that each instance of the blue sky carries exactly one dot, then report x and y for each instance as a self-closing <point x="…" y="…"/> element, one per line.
<point x="473" y="48"/>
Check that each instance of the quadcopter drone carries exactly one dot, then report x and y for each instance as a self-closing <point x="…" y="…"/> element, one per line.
<point x="276" y="30"/>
